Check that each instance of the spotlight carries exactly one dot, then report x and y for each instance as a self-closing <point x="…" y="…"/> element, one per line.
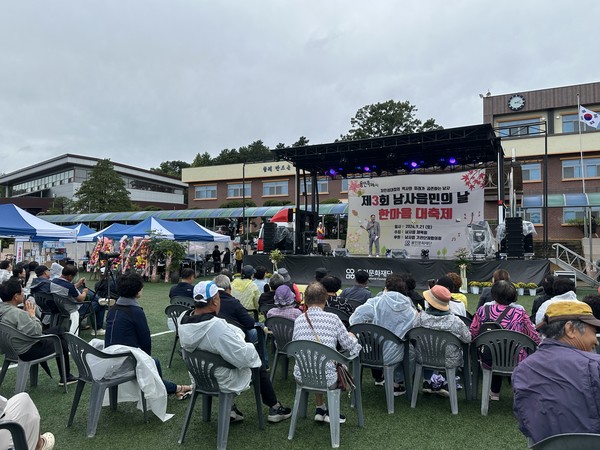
<point x="414" y="165"/>
<point x="343" y="161"/>
<point x="367" y="169"/>
<point x="331" y="172"/>
<point x="452" y="161"/>
<point x="424" y="254"/>
<point x="391" y="156"/>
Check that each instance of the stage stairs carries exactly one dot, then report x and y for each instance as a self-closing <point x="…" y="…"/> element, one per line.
<point x="568" y="260"/>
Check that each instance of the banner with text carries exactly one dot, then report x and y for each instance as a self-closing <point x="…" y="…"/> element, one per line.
<point x="415" y="212"/>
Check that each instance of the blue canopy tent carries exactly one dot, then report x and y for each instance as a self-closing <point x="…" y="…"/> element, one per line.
<point x="113" y="231"/>
<point x="81" y="229"/>
<point x="179" y="231"/>
<point x="19" y="223"/>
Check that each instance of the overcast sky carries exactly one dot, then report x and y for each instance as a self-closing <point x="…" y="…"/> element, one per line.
<point x="144" y="81"/>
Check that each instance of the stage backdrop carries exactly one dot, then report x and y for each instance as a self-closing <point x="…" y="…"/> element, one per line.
<point x="415" y="212"/>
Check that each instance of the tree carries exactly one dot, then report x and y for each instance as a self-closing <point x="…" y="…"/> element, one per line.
<point x="202" y="160"/>
<point x="238" y="204"/>
<point x="172" y="168"/>
<point x="60" y="205"/>
<point x="301" y="142"/>
<point x="386" y="119"/>
<point x="103" y="191"/>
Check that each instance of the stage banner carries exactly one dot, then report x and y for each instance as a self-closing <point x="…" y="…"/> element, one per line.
<point x="415" y="212"/>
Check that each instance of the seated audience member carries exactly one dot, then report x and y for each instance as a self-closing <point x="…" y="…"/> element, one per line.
<point x="41" y="283"/>
<point x="20" y="273"/>
<point x="486" y="293"/>
<point x="320" y="273"/>
<point x="185" y="288"/>
<point x="285" y="302"/>
<point x="245" y="290"/>
<point x="411" y="285"/>
<point x="547" y="294"/>
<point x="5" y="270"/>
<point x="268" y="297"/>
<point x="359" y="292"/>
<point x="456" y="306"/>
<point x="228" y="273"/>
<point x="55" y="271"/>
<point x="21" y="409"/>
<point x="564" y="290"/>
<point x="392" y="310"/>
<point x="509" y="318"/>
<point x="231" y="308"/>
<point x="259" y="278"/>
<point x="332" y="285"/>
<point x="456" y="285"/>
<point x="557" y="388"/>
<point x="201" y="329"/>
<point x="30" y="275"/>
<point x="287" y="279"/>
<point x="127" y="325"/>
<point x="327" y="329"/>
<point x="64" y="287"/>
<point x="438" y="316"/>
<point x="25" y="320"/>
<point x="594" y="302"/>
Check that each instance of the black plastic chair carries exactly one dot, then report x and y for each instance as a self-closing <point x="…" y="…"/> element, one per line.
<point x="80" y="350"/>
<point x="26" y="369"/>
<point x="173" y="312"/>
<point x="344" y="317"/>
<point x="184" y="301"/>
<point x="466" y="321"/>
<point x="430" y="348"/>
<point x="374" y="340"/>
<point x="354" y="303"/>
<point x="282" y="330"/>
<point x="47" y="306"/>
<point x="16" y="432"/>
<point x="202" y="366"/>
<point x="580" y="441"/>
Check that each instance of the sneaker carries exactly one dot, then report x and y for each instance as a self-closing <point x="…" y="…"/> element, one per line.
<point x="70" y="380"/>
<point x="342" y="418"/>
<point x="320" y="415"/>
<point x="99" y="332"/>
<point x="399" y="390"/>
<point x="427" y="389"/>
<point x="379" y="382"/>
<point x="279" y="414"/>
<point x="48" y="439"/>
<point x="236" y="415"/>
<point x="495" y="397"/>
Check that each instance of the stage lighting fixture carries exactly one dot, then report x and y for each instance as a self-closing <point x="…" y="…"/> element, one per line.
<point x="366" y="169"/>
<point x="424" y="254"/>
<point x="331" y="172"/>
<point x="452" y="161"/>
<point x="343" y="161"/>
<point x="391" y="156"/>
<point x="414" y="164"/>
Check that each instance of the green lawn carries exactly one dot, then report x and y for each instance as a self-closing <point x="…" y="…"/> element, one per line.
<point x="430" y="425"/>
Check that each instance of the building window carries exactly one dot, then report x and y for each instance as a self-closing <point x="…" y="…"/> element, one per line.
<point x="577" y="214"/>
<point x="208" y="191"/>
<point x="571" y="168"/>
<point x="531" y="172"/>
<point x="533" y="215"/>
<point x="519" y="127"/>
<point x="570" y="124"/>
<point x="322" y="185"/>
<point x="344" y="187"/>
<point x="235" y="190"/>
<point x="271" y="188"/>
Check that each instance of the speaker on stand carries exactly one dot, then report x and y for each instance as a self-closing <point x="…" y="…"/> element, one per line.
<point x="515" y="242"/>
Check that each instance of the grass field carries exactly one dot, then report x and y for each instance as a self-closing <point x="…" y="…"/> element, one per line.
<point x="429" y="426"/>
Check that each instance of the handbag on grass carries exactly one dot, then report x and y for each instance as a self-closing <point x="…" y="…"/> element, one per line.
<point x="345" y="382"/>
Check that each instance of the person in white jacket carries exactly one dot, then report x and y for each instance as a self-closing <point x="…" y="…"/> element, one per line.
<point x="393" y="310"/>
<point x="201" y="329"/>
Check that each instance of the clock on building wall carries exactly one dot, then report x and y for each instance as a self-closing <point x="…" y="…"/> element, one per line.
<point x="516" y="102"/>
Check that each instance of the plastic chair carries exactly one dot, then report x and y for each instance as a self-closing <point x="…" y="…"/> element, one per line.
<point x="25" y="369"/>
<point x="173" y="312"/>
<point x="80" y="350"/>
<point x="580" y="441"/>
<point x="44" y="300"/>
<point x="282" y="330"/>
<point x="466" y="321"/>
<point x="430" y="346"/>
<point x="311" y="359"/>
<point x="354" y="303"/>
<point x="373" y="339"/>
<point x="16" y="432"/>
<point x="264" y="309"/>
<point x="345" y="318"/>
<point x="505" y="346"/>
<point x="68" y="307"/>
<point x="202" y="366"/>
<point x="184" y="301"/>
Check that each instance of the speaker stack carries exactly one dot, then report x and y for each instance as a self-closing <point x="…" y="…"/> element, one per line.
<point x="269" y="231"/>
<point x="515" y="244"/>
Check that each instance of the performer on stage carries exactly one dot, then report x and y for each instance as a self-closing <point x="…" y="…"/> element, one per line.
<point x="320" y="233"/>
<point x="374" y="232"/>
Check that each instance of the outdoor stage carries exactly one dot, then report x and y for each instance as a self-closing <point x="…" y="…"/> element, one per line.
<point x="302" y="268"/>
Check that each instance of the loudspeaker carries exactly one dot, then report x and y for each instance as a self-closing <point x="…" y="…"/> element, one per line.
<point x="269" y="233"/>
<point x="340" y="252"/>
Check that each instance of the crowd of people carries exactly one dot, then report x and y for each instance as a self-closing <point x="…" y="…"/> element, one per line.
<point x="555" y="389"/>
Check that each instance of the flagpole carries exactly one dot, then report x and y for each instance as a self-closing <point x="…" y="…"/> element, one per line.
<point x="588" y="210"/>
<point x="580" y="146"/>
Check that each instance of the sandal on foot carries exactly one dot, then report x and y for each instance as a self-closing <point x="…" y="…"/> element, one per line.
<point x="183" y="392"/>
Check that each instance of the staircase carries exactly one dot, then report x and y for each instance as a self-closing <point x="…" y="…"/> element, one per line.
<point x="584" y="269"/>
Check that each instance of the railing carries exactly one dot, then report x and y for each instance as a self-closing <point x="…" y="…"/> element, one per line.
<point x="584" y="268"/>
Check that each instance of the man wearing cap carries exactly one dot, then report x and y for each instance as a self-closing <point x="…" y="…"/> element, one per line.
<point x="201" y="329"/>
<point x="245" y="290"/>
<point x="557" y="388"/>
